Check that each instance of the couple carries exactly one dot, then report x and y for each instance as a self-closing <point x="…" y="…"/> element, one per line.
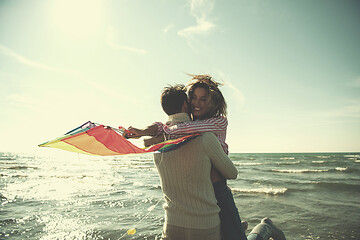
<point x="198" y="202"/>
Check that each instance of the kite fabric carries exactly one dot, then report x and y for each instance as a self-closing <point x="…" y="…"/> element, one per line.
<point x="95" y="139"/>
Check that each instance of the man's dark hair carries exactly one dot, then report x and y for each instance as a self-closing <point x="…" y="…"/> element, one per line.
<point x="172" y="98"/>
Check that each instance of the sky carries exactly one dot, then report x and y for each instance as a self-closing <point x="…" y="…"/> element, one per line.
<point x="291" y="69"/>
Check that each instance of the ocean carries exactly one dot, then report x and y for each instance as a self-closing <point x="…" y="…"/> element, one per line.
<point x="71" y="196"/>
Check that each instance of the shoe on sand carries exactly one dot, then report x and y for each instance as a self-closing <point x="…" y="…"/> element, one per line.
<point x="276" y="233"/>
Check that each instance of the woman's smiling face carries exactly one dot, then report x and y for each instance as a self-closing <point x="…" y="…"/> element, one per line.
<point x="199" y="103"/>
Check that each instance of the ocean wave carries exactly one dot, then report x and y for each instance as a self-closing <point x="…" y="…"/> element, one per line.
<point x="14" y="175"/>
<point x="247" y="164"/>
<point x="318" y="161"/>
<point x="338" y="186"/>
<point x="4" y="155"/>
<point x="263" y="190"/>
<point x="7" y="158"/>
<point x="19" y="168"/>
<point x="341" y="169"/>
<point x="299" y="170"/>
<point x="8" y="162"/>
<point x="287" y="163"/>
<point x="75" y="176"/>
<point x="154" y="186"/>
<point x="242" y="158"/>
<point x="352" y="156"/>
<point x="323" y="156"/>
<point x="126" y="166"/>
<point x="287" y="158"/>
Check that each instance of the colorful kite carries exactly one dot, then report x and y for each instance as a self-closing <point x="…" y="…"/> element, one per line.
<point x="95" y="139"/>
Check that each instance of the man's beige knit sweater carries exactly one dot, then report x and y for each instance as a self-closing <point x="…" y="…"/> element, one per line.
<point x="185" y="180"/>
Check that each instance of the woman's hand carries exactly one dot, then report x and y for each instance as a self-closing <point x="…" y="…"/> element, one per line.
<point x="135" y="132"/>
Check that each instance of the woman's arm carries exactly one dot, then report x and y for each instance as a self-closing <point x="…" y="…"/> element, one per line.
<point x="217" y="124"/>
<point x="150" y="130"/>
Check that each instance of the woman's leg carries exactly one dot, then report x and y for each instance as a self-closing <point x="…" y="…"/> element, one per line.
<point x="253" y="236"/>
<point x="265" y="230"/>
<point x="231" y="227"/>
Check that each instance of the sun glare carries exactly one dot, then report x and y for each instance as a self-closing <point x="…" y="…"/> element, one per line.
<point x="77" y="19"/>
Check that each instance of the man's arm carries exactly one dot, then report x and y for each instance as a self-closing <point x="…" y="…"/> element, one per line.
<point x="217" y="156"/>
<point x="154" y="140"/>
<point x="148" y="131"/>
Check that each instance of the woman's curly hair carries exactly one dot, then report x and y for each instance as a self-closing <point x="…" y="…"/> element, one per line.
<point x="216" y="101"/>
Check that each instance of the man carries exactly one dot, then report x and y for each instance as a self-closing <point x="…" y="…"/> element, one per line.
<point x="190" y="205"/>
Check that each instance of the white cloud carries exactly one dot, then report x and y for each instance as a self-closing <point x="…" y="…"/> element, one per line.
<point x="168" y="28"/>
<point x="6" y="51"/>
<point x="111" y="40"/>
<point x="26" y="102"/>
<point x="202" y="26"/>
<point x="200" y="9"/>
<point x="72" y="74"/>
<point x="239" y="96"/>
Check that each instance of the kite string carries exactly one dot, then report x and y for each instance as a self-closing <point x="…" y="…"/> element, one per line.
<point x="161" y="159"/>
<point x="150" y="209"/>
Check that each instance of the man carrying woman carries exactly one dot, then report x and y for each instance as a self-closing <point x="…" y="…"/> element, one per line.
<point x="208" y="111"/>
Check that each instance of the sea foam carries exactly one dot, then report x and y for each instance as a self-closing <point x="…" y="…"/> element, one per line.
<point x="247" y="164"/>
<point x="318" y="161"/>
<point x="299" y="170"/>
<point x="341" y="169"/>
<point x="287" y="163"/>
<point x="264" y="190"/>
